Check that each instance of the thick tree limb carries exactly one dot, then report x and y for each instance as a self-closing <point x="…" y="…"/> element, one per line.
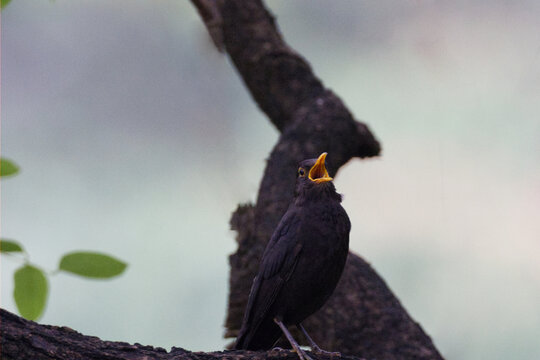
<point x="211" y="17"/>
<point x="363" y="317"/>
<point x="27" y="340"/>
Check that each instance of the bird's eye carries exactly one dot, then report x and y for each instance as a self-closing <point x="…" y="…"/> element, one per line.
<point x="301" y="172"/>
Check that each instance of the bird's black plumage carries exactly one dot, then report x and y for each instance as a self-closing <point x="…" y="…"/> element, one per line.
<point x="303" y="260"/>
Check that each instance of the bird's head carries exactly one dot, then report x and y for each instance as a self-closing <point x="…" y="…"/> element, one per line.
<point x="314" y="170"/>
<point x="313" y="179"/>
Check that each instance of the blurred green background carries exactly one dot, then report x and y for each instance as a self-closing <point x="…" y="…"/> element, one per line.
<point x="136" y="138"/>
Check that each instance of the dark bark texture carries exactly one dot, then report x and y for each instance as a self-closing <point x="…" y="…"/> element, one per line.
<point x="27" y="340"/>
<point x="363" y="318"/>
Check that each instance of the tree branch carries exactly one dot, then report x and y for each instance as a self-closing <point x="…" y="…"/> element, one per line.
<point x="211" y="17"/>
<point x="363" y="317"/>
<point x="26" y="340"/>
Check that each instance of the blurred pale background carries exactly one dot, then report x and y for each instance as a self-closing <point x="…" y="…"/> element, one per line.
<point x="138" y="139"/>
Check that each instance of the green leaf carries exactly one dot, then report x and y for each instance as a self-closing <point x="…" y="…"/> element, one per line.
<point x="92" y="264"/>
<point x="30" y="291"/>
<point x="8" y="167"/>
<point x="10" y="246"/>
<point x="5" y="2"/>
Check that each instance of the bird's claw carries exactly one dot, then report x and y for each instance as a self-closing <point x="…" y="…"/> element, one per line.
<point x="302" y="355"/>
<point x="317" y="350"/>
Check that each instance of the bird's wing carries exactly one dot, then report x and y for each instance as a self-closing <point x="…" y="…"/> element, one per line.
<point x="282" y="249"/>
<point x="277" y="265"/>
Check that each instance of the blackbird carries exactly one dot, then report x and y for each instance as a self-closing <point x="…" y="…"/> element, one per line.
<point x="301" y="264"/>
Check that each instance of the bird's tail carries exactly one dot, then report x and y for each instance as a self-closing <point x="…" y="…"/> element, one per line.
<point x="263" y="337"/>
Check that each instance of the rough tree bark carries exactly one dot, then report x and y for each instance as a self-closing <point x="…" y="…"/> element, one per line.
<point x="363" y="317"/>
<point x="27" y="340"/>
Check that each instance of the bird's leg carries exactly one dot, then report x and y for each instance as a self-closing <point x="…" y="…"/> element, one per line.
<point x="301" y="353"/>
<point x="314" y="347"/>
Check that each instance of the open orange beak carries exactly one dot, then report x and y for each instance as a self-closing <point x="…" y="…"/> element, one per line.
<point x="318" y="172"/>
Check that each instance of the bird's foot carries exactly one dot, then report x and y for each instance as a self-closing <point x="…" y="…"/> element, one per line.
<point x="317" y="350"/>
<point x="302" y="354"/>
